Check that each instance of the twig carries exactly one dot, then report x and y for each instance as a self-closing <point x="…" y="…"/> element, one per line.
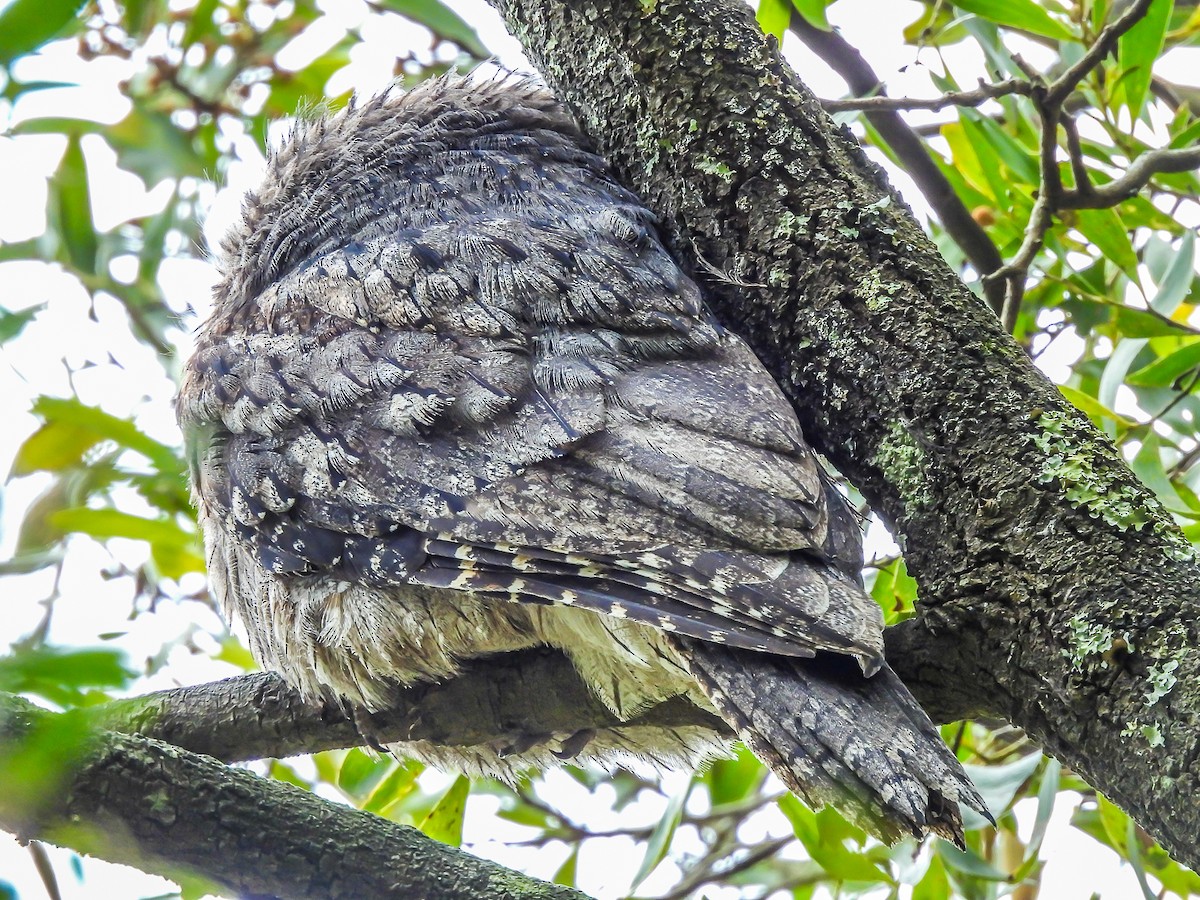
<point x="704" y="874"/>
<point x="1057" y="92"/>
<point x="1051" y="197"/>
<point x="1083" y="182"/>
<point x="1013" y="274"/>
<point x="1136" y="177"/>
<point x="976" y="97"/>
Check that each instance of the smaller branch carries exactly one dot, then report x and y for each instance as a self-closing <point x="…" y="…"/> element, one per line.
<point x="1136" y="177"/>
<point x="1052" y="197"/>
<point x="1057" y="92"/>
<point x="976" y="97"/>
<point x="1083" y="182"/>
<point x="706" y="874"/>
<point x="1185" y="462"/>
<point x="1015" y="272"/>
<point x="258" y="716"/>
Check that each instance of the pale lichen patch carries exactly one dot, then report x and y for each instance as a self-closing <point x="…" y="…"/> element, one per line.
<point x="1162" y="680"/>
<point x="1086" y="638"/>
<point x="903" y="463"/>
<point x="1090" y="480"/>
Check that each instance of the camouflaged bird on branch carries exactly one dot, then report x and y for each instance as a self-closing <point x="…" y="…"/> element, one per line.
<point x="457" y="399"/>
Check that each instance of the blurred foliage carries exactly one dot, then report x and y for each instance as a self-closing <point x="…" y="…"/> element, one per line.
<point x="1112" y="296"/>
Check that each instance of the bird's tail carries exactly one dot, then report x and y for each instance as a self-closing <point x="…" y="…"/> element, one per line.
<point x="836" y="737"/>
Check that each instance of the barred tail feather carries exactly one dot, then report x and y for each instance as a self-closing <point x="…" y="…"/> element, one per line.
<point x="837" y="738"/>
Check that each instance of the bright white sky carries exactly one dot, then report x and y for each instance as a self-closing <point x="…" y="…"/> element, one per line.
<point x="90" y="606"/>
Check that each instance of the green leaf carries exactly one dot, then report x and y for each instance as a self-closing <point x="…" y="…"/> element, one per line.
<point x="934" y="885"/>
<point x="200" y="22"/>
<point x="823" y="835"/>
<point x="1104" y="228"/>
<point x="360" y="773"/>
<point x="281" y="771"/>
<point x="567" y="872"/>
<point x="53" y="447"/>
<point x="1173" y="270"/>
<point x="894" y="590"/>
<point x="72" y="427"/>
<point x="1147" y="464"/>
<point x="1094" y="409"/>
<point x="445" y="821"/>
<point x="1025" y="15"/>
<point x="103" y="524"/>
<point x="13" y="323"/>
<point x="70" y="209"/>
<point x="814" y="12"/>
<point x="1113" y="820"/>
<point x="442" y="21"/>
<point x="399" y="783"/>
<point x="998" y="785"/>
<point x="234" y="652"/>
<point x="153" y="147"/>
<point x="969" y="862"/>
<point x="1047" y="794"/>
<point x="27" y="24"/>
<point x="773" y="17"/>
<point x="730" y="780"/>
<point x="522" y="813"/>
<point x="660" y="839"/>
<point x="175" y="560"/>
<point x="38" y="538"/>
<point x="1137" y="49"/>
<point x="1134" y="323"/>
<point x="990" y="138"/>
<point x="1170" y="368"/>
<point x="1134" y="854"/>
<point x="63" y="676"/>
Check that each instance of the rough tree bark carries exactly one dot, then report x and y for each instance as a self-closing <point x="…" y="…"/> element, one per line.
<point x="152" y="805"/>
<point x="1055" y="592"/>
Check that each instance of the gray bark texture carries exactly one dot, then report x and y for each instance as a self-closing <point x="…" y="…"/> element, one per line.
<point x="1055" y="591"/>
<point x="258" y="716"/>
<point x="163" y="809"/>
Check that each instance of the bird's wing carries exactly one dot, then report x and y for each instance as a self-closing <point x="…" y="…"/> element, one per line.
<point x="532" y="406"/>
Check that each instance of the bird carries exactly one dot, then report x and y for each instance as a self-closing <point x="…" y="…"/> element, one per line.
<point x="457" y="398"/>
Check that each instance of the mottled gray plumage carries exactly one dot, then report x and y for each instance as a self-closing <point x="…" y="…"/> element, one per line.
<point x="456" y="398"/>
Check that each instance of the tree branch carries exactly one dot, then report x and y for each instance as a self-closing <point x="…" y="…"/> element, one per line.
<point x="845" y="59"/>
<point x="1106" y="40"/>
<point x="1038" y="553"/>
<point x="980" y="95"/>
<point x="164" y="810"/>
<point x="1050" y="102"/>
<point x="259" y="716"/>
<point x="1136" y="177"/>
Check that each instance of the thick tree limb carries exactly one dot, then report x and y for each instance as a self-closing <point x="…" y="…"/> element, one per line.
<point x="1038" y="553"/>
<point x="164" y="810"/>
